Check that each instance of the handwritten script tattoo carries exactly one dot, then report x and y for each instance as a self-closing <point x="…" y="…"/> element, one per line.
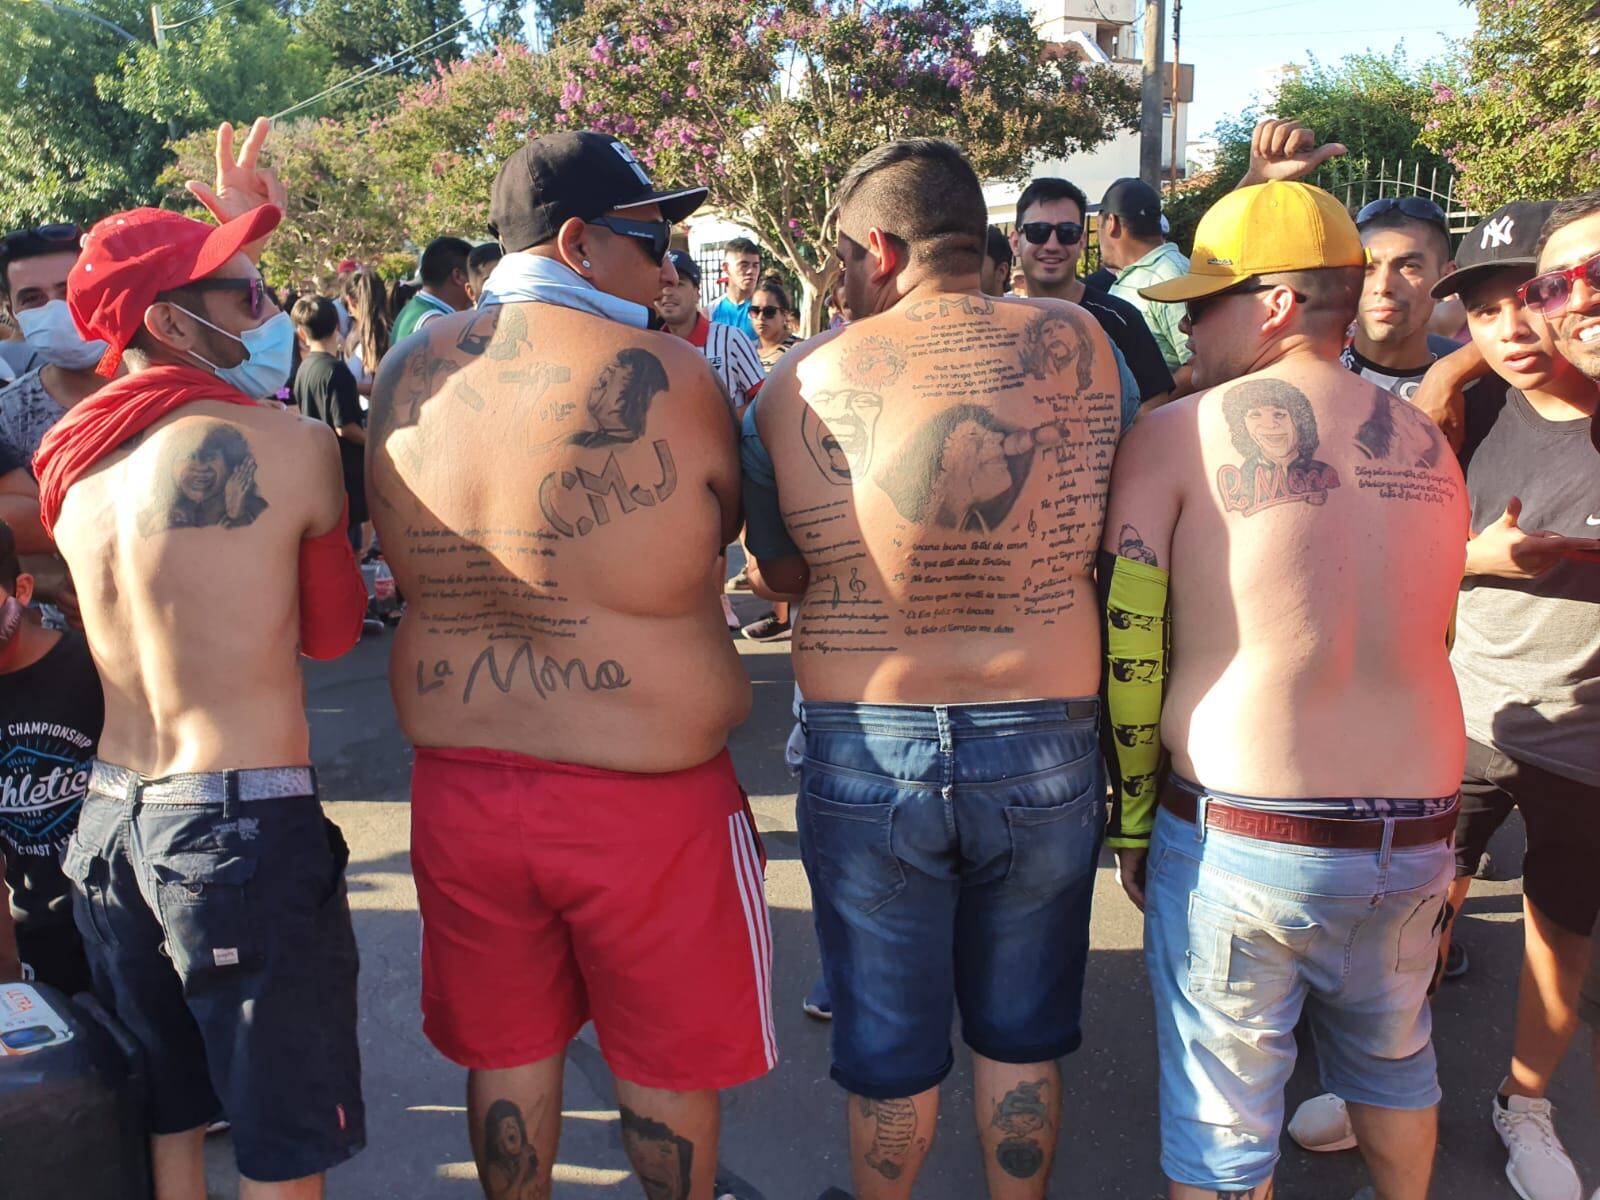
<point x="619" y="401"/>
<point x="609" y="481"/>
<point x="1274" y="428"/>
<point x="207" y="478"/>
<point x="894" y="1129"/>
<point x="840" y="430"/>
<point x="1054" y="341"/>
<point x="963" y="469"/>
<point x="663" y="1159"/>
<point x="548" y="679"/>
<point x="1406" y="450"/>
<point x="941" y="306"/>
<point x="509" y="1167"/>
<point x="1021" y="1115"/>
<point x="1130" y="545"/>
<point x="875" y="361"/>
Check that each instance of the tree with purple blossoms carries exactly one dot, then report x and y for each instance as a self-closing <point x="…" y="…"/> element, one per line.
<point x="768" y="102"/>
<point x="1519" y="115"/>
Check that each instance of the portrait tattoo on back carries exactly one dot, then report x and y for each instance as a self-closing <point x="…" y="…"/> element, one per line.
<point x="207" y="478"/>
<point x="1052" y="342"/>
<point x="963" y="469"/>
<point x="1396" y="432"/>
<point x="663" y="1160"/>
<point x="1275" y="430"/>
<point x="840" y="430"/>
<point x="619" y="401"/>
<point x="875" y="361"/>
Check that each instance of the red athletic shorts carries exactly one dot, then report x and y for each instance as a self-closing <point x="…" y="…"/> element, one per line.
<point x="553" y="894"/>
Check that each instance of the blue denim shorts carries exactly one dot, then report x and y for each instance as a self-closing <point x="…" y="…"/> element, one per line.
<point x="951" y="852"/>
<point x="1240" y="936"/>
<point x="219" y="934"/>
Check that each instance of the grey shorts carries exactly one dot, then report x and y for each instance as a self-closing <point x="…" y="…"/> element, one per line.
<point x="214" y="916"/>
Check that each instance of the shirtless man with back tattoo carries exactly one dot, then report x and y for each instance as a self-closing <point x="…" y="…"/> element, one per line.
<point x="1293" y="851"/>
<point x="931" y="478"/>
<point x="581" y="847"/>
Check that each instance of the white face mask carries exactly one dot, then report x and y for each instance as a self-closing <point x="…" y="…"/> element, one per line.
<point x="50" y="331"/>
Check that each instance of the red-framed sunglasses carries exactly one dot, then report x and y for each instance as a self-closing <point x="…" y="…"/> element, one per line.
<point x="1550" y="293"/>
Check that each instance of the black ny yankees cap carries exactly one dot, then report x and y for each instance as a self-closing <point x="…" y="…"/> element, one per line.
<point x="1508" y="237"/>
<point x="551" y="179"/>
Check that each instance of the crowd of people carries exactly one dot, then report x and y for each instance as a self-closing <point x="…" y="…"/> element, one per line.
<point x="1270" y="567"/>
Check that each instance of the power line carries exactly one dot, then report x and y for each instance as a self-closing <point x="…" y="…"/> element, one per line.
<point x="1278" y="33"/>
<point x="389" y="63"/>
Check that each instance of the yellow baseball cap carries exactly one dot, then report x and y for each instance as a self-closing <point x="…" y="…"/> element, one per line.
<point x="1261" y="230"/>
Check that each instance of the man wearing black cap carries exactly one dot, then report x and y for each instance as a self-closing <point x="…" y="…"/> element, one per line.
<point x="732" y="355"/>
<point x="1131" y="242"/>
<point x="1526" y="650"/>
<point x="581" y="848"/>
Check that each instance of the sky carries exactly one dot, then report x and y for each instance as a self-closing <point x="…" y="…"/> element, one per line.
<point x="1233" y="43"/>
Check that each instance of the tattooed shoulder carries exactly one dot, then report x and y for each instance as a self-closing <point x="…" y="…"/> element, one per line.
<point x="206" y="477"/>
<point x="1274" y="430"/>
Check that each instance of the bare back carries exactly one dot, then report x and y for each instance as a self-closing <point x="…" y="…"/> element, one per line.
<point x="184" y="547"/>
<point x="1317" y="534"/>
<point x="552" y="491"/>
<point x="942" y="468"/>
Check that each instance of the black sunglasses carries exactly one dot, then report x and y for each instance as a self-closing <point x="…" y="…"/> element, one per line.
<point x="254" y="286"/>
<point x="767" y="312"/>
<point x="657" y="233"/>
<point x="1418" y="208"/>
<point x="1068" y="233"/>
<point x="1196" y="308"/>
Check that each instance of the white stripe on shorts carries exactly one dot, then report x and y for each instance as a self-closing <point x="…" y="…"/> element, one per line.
<point x="747" y="871"/>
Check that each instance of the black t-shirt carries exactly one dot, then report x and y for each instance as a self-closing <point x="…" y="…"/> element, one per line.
<point x="325" y="391"/>
<point x="1124" y="324"/>
<point x="50" y="718"/>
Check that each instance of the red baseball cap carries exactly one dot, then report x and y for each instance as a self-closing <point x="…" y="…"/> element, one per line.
<point x="131" y="258"/>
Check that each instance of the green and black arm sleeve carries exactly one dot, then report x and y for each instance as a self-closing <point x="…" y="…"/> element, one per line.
<point x="1135" y="608"/>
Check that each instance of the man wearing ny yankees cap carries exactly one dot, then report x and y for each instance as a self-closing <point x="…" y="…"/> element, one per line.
<point x="205" y="530"/>
<point x="552" y="481"/>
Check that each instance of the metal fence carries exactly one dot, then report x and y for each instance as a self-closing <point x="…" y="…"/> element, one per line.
<point x="1356" y="184"/>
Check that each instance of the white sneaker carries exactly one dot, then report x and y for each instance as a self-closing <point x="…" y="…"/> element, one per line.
<point x="1538" y="1167"/>
<point x="1322" y="1124"/>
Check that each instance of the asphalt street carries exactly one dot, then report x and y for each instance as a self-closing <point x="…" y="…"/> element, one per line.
<point x="783" y="1136"/>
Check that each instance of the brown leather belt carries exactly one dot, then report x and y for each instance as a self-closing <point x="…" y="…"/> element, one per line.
<point x="1332" y="833"/>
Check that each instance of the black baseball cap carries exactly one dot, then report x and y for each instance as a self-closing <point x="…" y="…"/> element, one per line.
<point x="551" y="179"/>
<point x="1507" y="237"/>
<point x="683" y="263"/>
<point x="1131" y="198"/>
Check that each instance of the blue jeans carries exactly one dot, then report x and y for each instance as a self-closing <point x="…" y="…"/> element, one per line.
<point x="951" y="851"/>
<point x="1240" y="936"/>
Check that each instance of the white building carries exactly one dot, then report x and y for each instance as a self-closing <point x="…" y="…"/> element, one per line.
<point x="1104" y="32"/>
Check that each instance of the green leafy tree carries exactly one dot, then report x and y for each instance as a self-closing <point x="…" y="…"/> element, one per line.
<point x="767" y="102"/>
<point x="1519" y="113"/>
<point x="341" y="202"/>
<point x="402" y="39"/>
<point x="67" y="152"/>
<point x="235" y="65"/>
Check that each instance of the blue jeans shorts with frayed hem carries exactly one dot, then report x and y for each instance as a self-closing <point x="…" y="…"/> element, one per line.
<point x="1241" y="935"/>
<point x="951" y="851"/>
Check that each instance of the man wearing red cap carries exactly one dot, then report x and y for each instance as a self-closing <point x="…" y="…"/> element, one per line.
<point x="206" y="534"/>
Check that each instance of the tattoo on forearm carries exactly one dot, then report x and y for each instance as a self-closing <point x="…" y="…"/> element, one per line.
<point x="894" y="1130"/>
<point x="207" y="478"/>
<point x="509" y="1166"/>
<point x="619" y="401"/>
<point x="1275" y="430"/>
<point x="1022" y="1116"/>
<point x="1130" y="545"/>
<point x="663" y="1159"/>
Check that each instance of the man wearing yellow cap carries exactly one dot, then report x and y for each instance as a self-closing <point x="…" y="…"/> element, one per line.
<point x="1285" y="795"/>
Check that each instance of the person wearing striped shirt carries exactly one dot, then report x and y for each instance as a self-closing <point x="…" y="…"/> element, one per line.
<point x="731" y="354"/>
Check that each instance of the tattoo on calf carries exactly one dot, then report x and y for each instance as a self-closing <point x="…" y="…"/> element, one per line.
<point x="509" y="1166"/>
<point x="1130" y="545"/>
<point x="207" y="478"/>
<point x="1021" y="1115"/>
<point x="663" y="1159"/>
<point x="619" y="401"/>
<point x="1275" y="430"/>
<point x="894" y="1130"/>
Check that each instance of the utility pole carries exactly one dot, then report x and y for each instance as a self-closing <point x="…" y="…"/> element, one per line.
<point x="160" y="31"/>
<point x="1150" y="95"/>
<point x="1172" y="165"/>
